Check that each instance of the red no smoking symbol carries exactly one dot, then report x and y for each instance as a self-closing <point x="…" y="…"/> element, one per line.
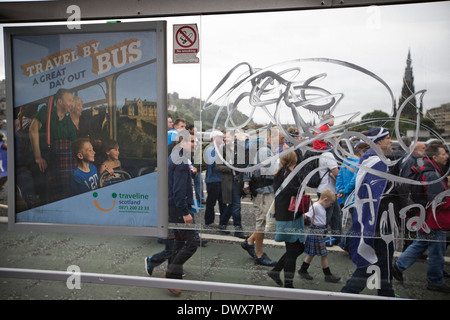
<point x="186" y="37"/>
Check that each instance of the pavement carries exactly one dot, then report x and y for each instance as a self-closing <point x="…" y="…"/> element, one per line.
<point x="222" y="260"/>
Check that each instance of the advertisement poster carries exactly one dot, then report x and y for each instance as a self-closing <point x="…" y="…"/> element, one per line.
<point x="85" y="125"/>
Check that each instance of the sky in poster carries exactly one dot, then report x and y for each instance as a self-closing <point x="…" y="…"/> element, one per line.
<point x="43" y="64"/>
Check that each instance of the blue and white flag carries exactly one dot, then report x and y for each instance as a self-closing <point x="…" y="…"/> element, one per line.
<point x="368" y="191"/>
<point x="3" y="161"/>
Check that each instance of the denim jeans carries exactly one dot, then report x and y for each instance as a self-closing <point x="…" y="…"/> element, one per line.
<point x="198" y="187"/>
<point x="436" y="251"/>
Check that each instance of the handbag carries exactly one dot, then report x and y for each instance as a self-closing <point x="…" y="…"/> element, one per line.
<point x="303" y="206"/>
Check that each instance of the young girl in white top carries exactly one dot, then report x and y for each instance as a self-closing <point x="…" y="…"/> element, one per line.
<point x="111" y="149"/>
<point x="315" y="241"/>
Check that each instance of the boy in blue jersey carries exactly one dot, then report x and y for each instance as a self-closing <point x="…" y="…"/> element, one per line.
<point x="85" y="177"/>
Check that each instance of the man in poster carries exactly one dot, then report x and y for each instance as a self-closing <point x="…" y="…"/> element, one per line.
<point x="51" y="133"/>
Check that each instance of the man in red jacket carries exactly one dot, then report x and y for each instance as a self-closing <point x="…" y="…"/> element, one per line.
<point x="434" y="241"/>
<point x="321" y="144"/>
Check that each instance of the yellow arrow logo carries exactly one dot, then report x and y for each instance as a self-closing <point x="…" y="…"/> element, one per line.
<point x="95" y="194"/>
<point x="104" y="210"/>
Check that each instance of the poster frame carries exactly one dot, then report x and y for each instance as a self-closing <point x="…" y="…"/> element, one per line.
<point x="160" y="29"/>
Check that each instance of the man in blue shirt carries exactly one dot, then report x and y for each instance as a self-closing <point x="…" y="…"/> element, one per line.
<point x="178" y="125"/>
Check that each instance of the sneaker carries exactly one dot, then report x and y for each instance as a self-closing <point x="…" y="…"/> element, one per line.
<point x="223" y="230"/>
<point x="438" y="287"/>
<point x="332" y="278"/>
<point x="397" y="273"/>
<point x="201" y="242"/>
<point x="265" y="260"/>
<point x="148" y="268"/>
<point x="240" y="234"/>
<point x="250" y="248"/>
<point x="275" y="276"/>
<point x="305" y="275"/>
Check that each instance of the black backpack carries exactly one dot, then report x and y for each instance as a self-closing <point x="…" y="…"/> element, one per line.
<point x="417" y="193"/>
<point x="315" y="180"/>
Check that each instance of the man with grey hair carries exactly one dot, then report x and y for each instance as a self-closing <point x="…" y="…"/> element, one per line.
<point x="415" y="159"/>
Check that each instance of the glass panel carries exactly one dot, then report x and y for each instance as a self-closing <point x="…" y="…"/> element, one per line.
<point x="367" y="67"/>
<point x="329" y="80"/>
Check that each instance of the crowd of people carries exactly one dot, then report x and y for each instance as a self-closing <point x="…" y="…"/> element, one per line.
<point x="368" y="182"/>
<point x="363" y="182"/>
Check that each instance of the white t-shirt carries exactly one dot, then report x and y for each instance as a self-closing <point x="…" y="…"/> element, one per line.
<point x="328" y="162"/>
<point x="318" y="216"/>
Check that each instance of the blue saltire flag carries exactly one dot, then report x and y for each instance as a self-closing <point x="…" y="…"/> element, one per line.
<point x="368" y="191"/>
<point x="330" y="240"/>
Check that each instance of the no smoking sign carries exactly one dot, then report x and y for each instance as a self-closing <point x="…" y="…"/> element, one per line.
<point x="185" y="43"/>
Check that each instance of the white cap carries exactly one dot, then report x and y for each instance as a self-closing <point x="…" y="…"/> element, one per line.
<point x="216" y="133"/>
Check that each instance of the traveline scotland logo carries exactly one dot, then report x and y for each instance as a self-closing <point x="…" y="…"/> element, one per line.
<point x="126" y="202"/>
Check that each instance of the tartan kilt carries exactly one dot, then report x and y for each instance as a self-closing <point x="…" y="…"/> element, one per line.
<point x="315" y="241"/>
<point x="62" y="165"/>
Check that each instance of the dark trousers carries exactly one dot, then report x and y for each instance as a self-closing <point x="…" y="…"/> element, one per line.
<point x="288" y="260"/>
<point x="184" y="246"/>
<point x="214" y="190"/>
<point x="160" y="257"/>
<point x="358" y="281"/>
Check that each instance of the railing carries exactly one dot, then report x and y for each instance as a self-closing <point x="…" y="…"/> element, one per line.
<point x="202" y="286"/>
<point x="192" y="285"/>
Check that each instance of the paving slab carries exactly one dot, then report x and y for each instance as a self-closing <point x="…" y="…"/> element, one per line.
<point x="221" y="260"/>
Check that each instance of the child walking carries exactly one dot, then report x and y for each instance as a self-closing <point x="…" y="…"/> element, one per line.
<point x="85" y="177"/>
<point x="315" y="241"/>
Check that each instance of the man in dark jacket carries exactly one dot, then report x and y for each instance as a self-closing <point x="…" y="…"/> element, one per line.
<point x="180" y="204"/>
<point x="231" y="185"/>
<point x="434" y="241"/>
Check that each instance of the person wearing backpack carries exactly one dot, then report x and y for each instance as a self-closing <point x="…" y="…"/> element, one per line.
<point x="261" y="187"/>
<point x="303" y="154"/>
<point x="345" y="185"/>
<point x="434" y="241"/>
<point x="329" y="170"/>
